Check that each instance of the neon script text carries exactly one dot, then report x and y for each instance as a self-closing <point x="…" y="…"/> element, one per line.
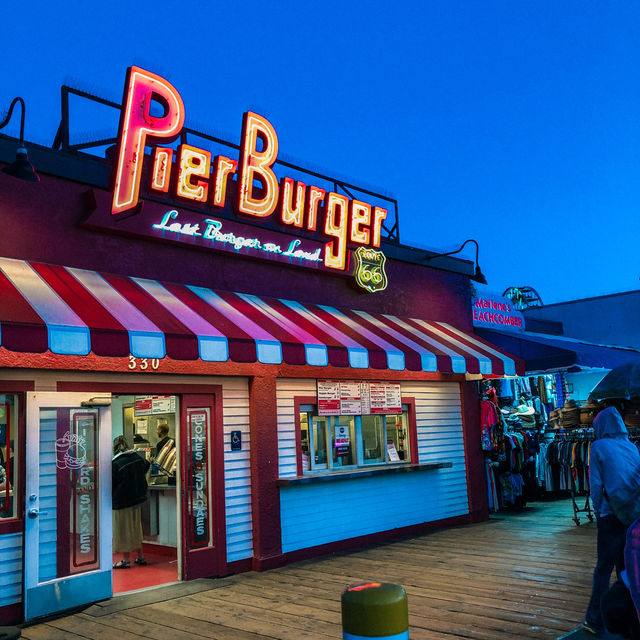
<point x="212" y="230"/>
<point x="203" y="179"/>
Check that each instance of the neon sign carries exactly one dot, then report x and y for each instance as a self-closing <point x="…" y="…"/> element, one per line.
<point x="213" y="231"/>
<point x="136" y="124"/>
<point x="523" y="297"/>
<point x="496" y="312"/>
<point x="369" y="270"/>
<point x="248" y="183"/>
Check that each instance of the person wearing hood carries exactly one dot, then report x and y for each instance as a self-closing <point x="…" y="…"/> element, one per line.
<point x="614" y="463"/>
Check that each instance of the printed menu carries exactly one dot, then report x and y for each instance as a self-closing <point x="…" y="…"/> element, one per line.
<point x="152" y="405"/>
<point x="354" y="398"/>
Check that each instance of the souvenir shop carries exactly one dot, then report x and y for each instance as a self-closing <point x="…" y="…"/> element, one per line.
<point x="514" y="426"/>
<point x="278" y="362"/>
<point x="537" y="429"/>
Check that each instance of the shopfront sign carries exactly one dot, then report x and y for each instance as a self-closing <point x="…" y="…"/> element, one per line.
<point x="212" y="233"/>
<point x="75" y="456"/>
<point x="287" y="220"/>
<point x="154" y="405"/>
<point x="392" y="452"/>
<point x="354" y="398"/>
<point x="342" y="442"/>
<point x="236" y="440"/>
<point x="496" y="312"/>
<point x="523" y="297"/>
<point x="198" y="491"/>
<point x="369" y="269"/>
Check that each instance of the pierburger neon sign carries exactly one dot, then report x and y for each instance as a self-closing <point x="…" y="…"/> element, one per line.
<point x="195" y="176"/>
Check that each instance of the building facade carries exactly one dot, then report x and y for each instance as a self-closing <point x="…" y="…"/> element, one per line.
<point x="314" y="376"/>
<point x="607" y="320"/>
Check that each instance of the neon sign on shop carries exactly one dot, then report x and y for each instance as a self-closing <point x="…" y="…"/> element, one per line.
<point x="213" y="231"/>
<point x="201" y="178"/>
<point x="496" y="312"/>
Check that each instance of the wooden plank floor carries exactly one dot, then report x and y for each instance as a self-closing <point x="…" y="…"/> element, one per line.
<point x="519" y="575"/>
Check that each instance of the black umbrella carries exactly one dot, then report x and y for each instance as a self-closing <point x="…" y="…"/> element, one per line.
<point x="621" y="382"/>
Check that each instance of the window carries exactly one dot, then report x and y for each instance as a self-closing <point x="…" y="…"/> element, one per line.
<point x="8" y="459"/>
<point x="331" y="443"/>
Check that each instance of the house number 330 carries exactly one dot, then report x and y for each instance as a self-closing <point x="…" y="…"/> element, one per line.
<point x="143" y="363"/>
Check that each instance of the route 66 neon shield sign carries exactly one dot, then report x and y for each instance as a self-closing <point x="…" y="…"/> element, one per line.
<point x="369" y="269"/>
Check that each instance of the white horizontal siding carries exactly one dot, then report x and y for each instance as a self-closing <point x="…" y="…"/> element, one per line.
<point x="47" y="520"/>
<point x="329" y="512"/>
<point x="237" y="469"/>
<point x="440" y="436"/>
<point x="11" y="574"/>
<point x="321" y="513"/>
<point x="287" y="390"/>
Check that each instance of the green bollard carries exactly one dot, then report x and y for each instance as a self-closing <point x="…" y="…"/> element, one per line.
<point x="375" y="611"/>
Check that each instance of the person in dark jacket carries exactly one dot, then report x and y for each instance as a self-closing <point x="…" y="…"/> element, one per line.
<point x="618" y="612"/>
<point x="621" y="604"/>
<point x="129" y="491"/>
<point x="614" y="463"/>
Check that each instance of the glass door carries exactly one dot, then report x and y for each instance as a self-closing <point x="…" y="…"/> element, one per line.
<point x="68" y="502"/>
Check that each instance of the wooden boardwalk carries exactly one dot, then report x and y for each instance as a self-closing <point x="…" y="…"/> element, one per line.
<point x="519" y="575"/>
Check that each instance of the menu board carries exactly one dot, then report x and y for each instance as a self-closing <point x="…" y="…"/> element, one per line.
<point x="385" y="397"/>
<point x="392" y="452"/>
<point x="355" y="398"/>
<point x="328" y="398"/>
<point x="142" y="426"/>
<point x="152" y="405"/>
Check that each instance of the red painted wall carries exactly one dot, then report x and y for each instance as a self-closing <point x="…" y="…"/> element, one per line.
<point x="265" y="495"/>
<point x="40" y="221"/>
<point x="476" y="475"/>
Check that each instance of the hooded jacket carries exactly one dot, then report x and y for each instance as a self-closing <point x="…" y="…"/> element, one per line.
<point x="129" y="484"/>
<point x="614" y="460"/>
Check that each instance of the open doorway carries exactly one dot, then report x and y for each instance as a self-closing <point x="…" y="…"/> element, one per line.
<point x="150" y="426"/>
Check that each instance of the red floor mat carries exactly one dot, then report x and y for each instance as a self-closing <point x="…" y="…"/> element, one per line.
<point x="159" y="570"/>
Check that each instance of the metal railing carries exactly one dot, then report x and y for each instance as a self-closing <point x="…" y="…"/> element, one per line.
<point x="391" y="228"/>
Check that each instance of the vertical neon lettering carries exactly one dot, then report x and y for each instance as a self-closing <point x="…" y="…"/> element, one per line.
<point x="194" y="163"/>
<point x="335" y="225"/>
<point x="256" y="165"/>
<point x="162" y="169"/>
<point x="291" y="213"/>
<point x="222" y="168"/>
<point x="379" y="216"/>
<point x="314" y="197"/>
<point x="136" y="124"/>
<point x="360" y="219"/>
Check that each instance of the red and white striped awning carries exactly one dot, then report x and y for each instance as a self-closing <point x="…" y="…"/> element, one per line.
<point x="74" y="312"/>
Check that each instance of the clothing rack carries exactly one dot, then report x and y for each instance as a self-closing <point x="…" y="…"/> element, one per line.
<point x="578" y="435"/>
<point x="586" y="509"/>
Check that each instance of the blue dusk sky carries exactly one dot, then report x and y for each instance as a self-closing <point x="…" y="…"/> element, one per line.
<point x="516" y="123"/>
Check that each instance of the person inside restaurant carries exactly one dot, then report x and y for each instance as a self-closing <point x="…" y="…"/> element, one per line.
<point x="163" y="435"/>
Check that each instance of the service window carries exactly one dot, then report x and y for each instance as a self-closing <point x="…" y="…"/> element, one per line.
<point x="314" y="433"/>
<point x="397" y="436"/>
<point x="334" y="443"/>
<point x="373" y="439"/>
<point x="8" y="455"/>
<point x="343" y="436"/>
